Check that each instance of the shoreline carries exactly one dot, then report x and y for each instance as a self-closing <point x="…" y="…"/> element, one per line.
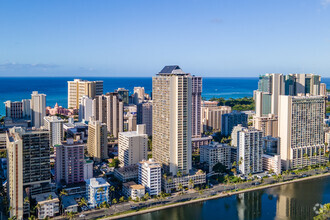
<point x="217" y="196"/>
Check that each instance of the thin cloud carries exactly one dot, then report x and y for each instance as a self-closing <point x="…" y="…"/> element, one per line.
<point x="218" y="20"/>
<point x="19" y="66"/>
<point x="325" y="3"/>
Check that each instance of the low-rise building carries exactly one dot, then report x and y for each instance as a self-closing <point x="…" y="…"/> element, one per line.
<point x="215" y="153"/>
<point x="271" y="162"/>
<point x="194" y="178"/>
<point x="150" y="176"/>
<point x="128" y="173"/>
<point x="133" y="190"/>
<point x="48" y="205"/>
<point x="70" y="204"/>
<point x="97" y="191"/>
<point x="199" y="141"/>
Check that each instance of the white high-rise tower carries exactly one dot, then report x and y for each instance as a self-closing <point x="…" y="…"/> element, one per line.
<point x="171" y="123"/>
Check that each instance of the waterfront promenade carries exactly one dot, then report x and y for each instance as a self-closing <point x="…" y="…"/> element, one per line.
<point x="128" y="209"/>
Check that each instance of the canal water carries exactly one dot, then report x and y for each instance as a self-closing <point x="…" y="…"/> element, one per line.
<point x="290" y="201"/>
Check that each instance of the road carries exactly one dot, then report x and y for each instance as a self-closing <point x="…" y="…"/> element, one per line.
<point x="186" y="196"/>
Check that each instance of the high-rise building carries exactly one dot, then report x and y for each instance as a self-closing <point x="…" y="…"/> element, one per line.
<point x="301" y="130"/>
<point x="144" y="115"/>
<point x="268" y="124"/>
<point x="79" y="88"/>
<point x="171" y="119"/>
<point x="97" y="142"/>
<point x="249" y="153"/>
<point x="38" y="109"/>
<point x="138" y="95"/>
<point x="19" y="109"/>
<point x="271" y="86"/>
<point x="150" y="176"/>
<point x="230" y="120"/>
<point x="54" y="125"/>
<point x="215" y="153"/>
<point x="234" y="135"/>
<point x="109" y="109"/>
<point x="28" y="167"/>
<point x="211" y="117"/>
<point x="196" y="100"/>
<point x="124" y="95"/>
<point x="85" y="108"/>
<point x="69" y="162"/>
<point x="132" y="146"/>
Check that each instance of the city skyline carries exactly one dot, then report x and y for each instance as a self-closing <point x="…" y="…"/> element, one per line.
<point x="130" y="38"/>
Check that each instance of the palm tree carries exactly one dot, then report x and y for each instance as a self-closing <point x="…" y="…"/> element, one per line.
<point x="82" y="202"/>
<point x="100" y="190"/>
<point x="26" y="200"/>
<point x="50" y="197"/>
<point x="240" y="161"/>
<point x="63" y="192"/>
<point x="227" y="179"/>
<point x="180" y="187"/>
<point x="191" y="183"/>
<point x="12" y="218"/>
<point x="178" y="174"/>
<point x="32" y="217"/>
<point x="70" y="215"/>
<point x="122" y="199"/>
<point x="114" y="201"/>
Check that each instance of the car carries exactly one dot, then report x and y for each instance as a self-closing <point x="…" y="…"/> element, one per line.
<point x="81" y="216"/>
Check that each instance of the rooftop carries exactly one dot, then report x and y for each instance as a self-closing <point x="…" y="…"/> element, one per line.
<point x="133" y="185"/>
<point x="97" y="182"/>
<point x="45" y="197"/>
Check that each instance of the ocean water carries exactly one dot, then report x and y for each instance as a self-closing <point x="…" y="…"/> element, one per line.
<point x="56" y="89"/>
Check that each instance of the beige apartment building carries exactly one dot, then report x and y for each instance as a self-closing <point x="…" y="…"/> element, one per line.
<point x="97" y="142"/>
<point x="171" y="119"/>
<point x="211" y="117"/>
<point x="133" y="146"/>
<point x="268" y="124"/>
<point x="301" y="130"/>
<point x="109" y="109"/>
<point x="79" y="88"/>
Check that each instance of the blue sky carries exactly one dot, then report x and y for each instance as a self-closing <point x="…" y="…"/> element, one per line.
<point x="138" y="37"/>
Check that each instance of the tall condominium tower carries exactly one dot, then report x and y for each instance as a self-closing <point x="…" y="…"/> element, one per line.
<point x="230" y="120"/>
<point x="85" y="108"/>
<point x="132" y="146"/>
<point x="38" y="109"/>
<point x="144" y="115"/>
<point x="271" y="86"/>
<point x="249" y="152"/>
<point x="124" y="95"/>
<point x="54" y="125"/>
<point x="109" y="109"/>
<point x="171" y="119"/>
<point x="78" y="88"/>
<point x="301" y="130"/>
<point x="138" y="95"/>
<point x="28" y="167"/>
<point x="97" y="142"/>
<point x="69" y="162"/>
<point x="20" y="109"/>
<point x="196" y="100"/>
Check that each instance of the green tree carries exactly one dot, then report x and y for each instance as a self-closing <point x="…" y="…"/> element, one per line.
<point x="146" y="196"/>
<point x="63" y="192"/>
<point x="71" y="215"/>
<point x="219" y="168"/>
<point x="83" y="202"/>
<point x="114" y="163"/>
<point x="122" y="199"/>
<point x="323" y="212"/>
<point x="114" y="201"/>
